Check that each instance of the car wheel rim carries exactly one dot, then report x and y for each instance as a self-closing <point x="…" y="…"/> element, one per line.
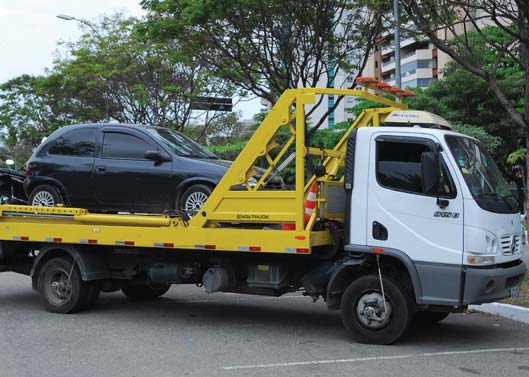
<point x="43" y="199"/>
<point x="195" y="201"/>
<point x="58" y="288"/>
<point x="370" y="310"/>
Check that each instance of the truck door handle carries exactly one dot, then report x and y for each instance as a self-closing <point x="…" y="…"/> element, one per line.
<point x="380" y="232"/>
<point x="100" y="169"/>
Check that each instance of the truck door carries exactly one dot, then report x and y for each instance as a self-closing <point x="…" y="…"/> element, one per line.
<point x="404" y="215"/>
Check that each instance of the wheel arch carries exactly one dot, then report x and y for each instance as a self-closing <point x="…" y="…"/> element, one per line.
<point x="33" y="183"/>
<point x="184" y="185"/>
<point x="394" y="263"/>
<point x="91" y="263"/>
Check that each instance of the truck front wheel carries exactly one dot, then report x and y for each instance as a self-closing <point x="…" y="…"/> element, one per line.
<point x="365" y="315"/>
<point x="145" y="291"/>
<point x="61" y="288"/>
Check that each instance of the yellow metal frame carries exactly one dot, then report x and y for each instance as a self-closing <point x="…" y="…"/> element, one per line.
<point x="224" y="221"/>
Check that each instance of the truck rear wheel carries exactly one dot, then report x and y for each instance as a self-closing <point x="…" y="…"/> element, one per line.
<point x="364" y="315"/>
<point x="61" y="288"/>
<point x="145" y="291"/>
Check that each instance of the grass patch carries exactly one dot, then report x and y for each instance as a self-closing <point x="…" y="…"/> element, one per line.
<point x="524" y="294"/>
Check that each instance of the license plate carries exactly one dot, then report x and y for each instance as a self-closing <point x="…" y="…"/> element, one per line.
<point x="515" y="293"/>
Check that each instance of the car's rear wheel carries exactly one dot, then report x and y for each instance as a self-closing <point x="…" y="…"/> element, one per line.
<point x="194" y="198"/>
<point x="45" y="196"/>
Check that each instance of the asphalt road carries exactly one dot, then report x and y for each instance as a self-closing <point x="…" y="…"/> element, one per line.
<point x="190" y="333"/>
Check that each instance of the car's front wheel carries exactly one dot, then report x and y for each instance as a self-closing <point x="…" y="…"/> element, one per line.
<point x="194" y="198"/>
<point x="45" y="196"/>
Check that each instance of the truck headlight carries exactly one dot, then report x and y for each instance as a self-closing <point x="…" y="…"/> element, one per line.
<point x="480" y="242"/>
<point x="481" y="247"/>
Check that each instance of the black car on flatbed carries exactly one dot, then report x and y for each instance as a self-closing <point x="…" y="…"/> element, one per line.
<point x="118" y="167"/>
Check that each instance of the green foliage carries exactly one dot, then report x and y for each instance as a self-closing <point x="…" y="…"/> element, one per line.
<point x="127" y="79"/>
<point x="461" y="97"/>
<point x="265" y="47"/>
<point x="517" y="157"/>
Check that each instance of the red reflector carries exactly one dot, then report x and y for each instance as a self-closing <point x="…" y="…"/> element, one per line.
<point x="210" y="247"/>
<point x="302" y="251"/>
<point x="128" y="243"/>
<point x="300" y="237"/>
<point x="168" y="244"/>
<point x="92" y="241"/>
<point x="24" y="238"/>
<point x="377" y="250"/>
<point x="57" y="240"/>
<point x="255" y="248"/>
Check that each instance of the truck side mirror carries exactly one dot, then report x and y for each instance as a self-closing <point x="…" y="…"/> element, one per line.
<point x="430" y="173"/>
<point x="157" y="156"/>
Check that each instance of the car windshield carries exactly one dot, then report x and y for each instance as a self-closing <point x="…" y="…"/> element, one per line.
<point x="482" y="176"/>
<point x="180" y="144"/>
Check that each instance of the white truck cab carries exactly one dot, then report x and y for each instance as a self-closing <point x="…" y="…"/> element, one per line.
<point x="435" y="200"/>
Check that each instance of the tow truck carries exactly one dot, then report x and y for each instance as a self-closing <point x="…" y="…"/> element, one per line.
<point x="403" y="219"/>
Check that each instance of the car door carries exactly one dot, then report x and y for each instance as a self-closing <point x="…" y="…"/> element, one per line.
<point x="69" y="159"/>
<point x="405" y="218"/>
<point x="125" y="179"/>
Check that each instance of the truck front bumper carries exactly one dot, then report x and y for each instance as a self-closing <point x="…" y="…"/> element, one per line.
<point x="491" y="284"/>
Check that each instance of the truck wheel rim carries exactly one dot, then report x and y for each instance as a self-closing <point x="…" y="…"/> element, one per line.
<point x="58" y="288"/>
<point x="43" y="199"/>
<point x="195" y="201"/>
<point x="370" y="310"/>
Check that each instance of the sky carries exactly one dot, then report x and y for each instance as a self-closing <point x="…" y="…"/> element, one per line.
<point x="30" y="30"/>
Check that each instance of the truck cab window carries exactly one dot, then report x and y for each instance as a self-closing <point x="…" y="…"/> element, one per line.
<point x="399" y="168"/>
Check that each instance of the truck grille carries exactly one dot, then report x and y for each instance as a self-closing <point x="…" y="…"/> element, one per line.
<point x="510" y="244"/>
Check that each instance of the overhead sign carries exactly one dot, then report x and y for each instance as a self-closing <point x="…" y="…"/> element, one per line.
<point x="211" y="103"/>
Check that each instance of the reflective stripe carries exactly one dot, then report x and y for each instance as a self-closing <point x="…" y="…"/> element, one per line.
<point x="53" y="239"/>
<point x="290" y="250"/>
<point x="20" y="238"/>
<point x="125" y="243"/>
<point x="163" y="244"/>
<point x="249" y="248"/>
<point x="205" y="247"/>
<point x="88" y="241"/>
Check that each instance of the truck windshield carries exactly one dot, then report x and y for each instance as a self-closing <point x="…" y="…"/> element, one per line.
<point x="482" y="176"/>
<point x="180" y="144"/>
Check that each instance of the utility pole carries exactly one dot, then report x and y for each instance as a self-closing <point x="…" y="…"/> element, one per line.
<point x="396" y="35"/>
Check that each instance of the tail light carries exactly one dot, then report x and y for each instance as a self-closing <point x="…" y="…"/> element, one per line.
<point x="26" y="169"/>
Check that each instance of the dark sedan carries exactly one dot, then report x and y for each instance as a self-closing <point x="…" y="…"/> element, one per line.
<point x="116" y="167"/>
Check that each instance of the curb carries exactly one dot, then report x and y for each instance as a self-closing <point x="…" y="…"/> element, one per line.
<point x="516" y="313"/>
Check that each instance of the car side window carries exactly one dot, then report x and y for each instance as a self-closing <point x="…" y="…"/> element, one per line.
<point x="399" y="168"/>
<point x="125" y="146"/>
<point x="79" y="143"/>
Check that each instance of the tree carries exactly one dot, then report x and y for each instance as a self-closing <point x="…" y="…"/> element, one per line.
<point x="31" y="107"/>
<point x="267" y="46"/>
<point x="129" y="80"/>
<point x="447" y="24"/>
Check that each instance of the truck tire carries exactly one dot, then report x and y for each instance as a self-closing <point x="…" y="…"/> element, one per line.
<point x="363" y="314"/>
<point x="61" y="288"/>
<point x="194" y="198"/>
<point x="145" y="291"/>
<point x="430" y="317"/>
<point x="45" y="196"/>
